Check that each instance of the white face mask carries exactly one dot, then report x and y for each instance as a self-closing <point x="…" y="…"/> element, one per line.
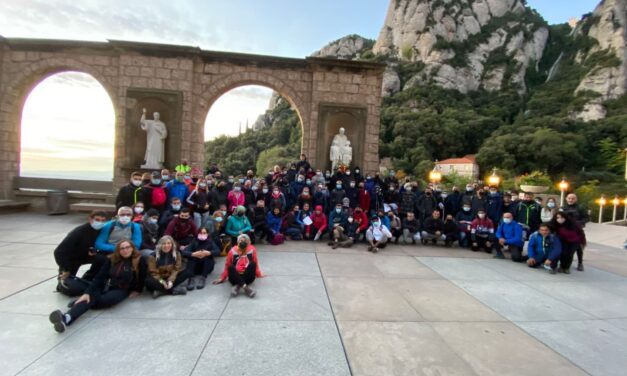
<point x="137" y="183"/>
<point x="561" y="221"/>
<point x="138" y="210"/>
<point x="124" y="219"/>
<point x="481" y="216"/>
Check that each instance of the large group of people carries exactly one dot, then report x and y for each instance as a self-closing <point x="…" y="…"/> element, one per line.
<point x="171" y="226"/>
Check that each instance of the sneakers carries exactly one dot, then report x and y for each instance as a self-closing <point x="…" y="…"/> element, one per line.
<point x="335" y="245"/>
<point x="499" y="255"/>
<point x="580" y="267"/>
<point x="157" y="293"/>
<point x="249" y="291"/>
<point x="375" y="249"/>
<point x="370" y="248"/>
<point x="200" y="284"/>
<point x="235" y="290"/>
<point x="553" y="271"/>
<point x="58" y="320"/>
<point x="191" y="284"/>
<point x="566" y="271"/>
<point x="179" y="290"/>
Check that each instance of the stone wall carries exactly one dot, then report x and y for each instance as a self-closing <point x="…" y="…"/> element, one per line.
<point x="200" y="77"/>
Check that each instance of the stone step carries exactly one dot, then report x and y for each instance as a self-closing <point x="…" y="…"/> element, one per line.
<point x="10" y="206"/>
<point x="90" y="206"/>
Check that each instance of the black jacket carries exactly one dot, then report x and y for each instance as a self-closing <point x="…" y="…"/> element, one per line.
<point x="76" y="244"/>
<point x="120" y="276"/>
<point x="129" y="195"/>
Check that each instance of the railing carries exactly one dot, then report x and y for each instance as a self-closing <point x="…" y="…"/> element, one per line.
<point x="615" y="204"/>
<point x="87" y="186"/>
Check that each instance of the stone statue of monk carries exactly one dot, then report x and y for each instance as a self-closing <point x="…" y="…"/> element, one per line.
<point x="156" y="133"/>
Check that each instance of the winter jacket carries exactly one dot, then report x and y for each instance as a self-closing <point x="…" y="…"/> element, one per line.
<point x="319" y="220"/>
<point x="76" y="245"/>
<point x="528" y="214"/>
<point x="181" y="230"/>
<point x="494" y="207"/>
<point x="413" y="226"/>
<point x="168" y="266"/>
<point x="432" y="225"/>
<point x="364" y="199"/>
<point x="236" y="225"/>
<point x="541" y="249"/>
<point x="127" y="274"/>
<point x="482" y="227"/>
<point x="128" y="195"/>
<point x="578" y="213"/>
<point x="511" y="232"/>
<point x="177" y="189"/>
<point x="408" y="202"/>
<point x="337" y="219"/>
<point x="360" y="219"/>
<point x="235" y="199"/>
<point x="201" y="245"/>
<point x="571" y="235"/>
<point x="102" y="241"/>
<point x="233" y="256"/>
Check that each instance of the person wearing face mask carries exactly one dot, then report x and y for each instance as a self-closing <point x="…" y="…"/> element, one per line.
<point x="452" y="202"/>
<point x="352" y="193"/>
<point x="544" y="249"/>
<point x="321" y="198"/>
<point x="571" y="236"/>
<point x="548" y="210"/>
<point x="337" y="217"/>
<point x="408" y="201"/>
<point x="273" y="221"/>
<point x="236" y="197"/>
<point x="464" y="219"/>
<point x="174" y="208"/>
<point x="305" y="197"/>
<point x="377" y="235"/>
<point x="303" y="163"/>
<point x="220" y="195"/>
<point x="119" y="229"/>
<point x="200" y="202"/>
<point x="344" y="236"/>
<point x="509" y="206"/>
<point x="580" y="215"/>
<point x="184" y="167"/>
<point x="392" y="197"/>
<point x="166" y="273"/>
<point x="479" y="201"/>
<point x="292" y="225"/>
<point x="154" y="193"/>
<point x="296" y="188"/>
<point x="304" y="213"/>
<point x="195" y="177"/>
<point x="150" y="231"/>
<point x="260" y="226"/>
<point x="390" y="180"/>
<point x="200" y="259"/>
<point x="241" y="267"/>
<point x="177" y="188"/>
<point x="182" y="228"/>
<point x="494" y="205"/>
<point x="276" y="199"/>
<point x="138" y="212"/>
<point x="411" y="229"/>
<point x="450" y="230"/>
<point x="433" y="228"/>
<point x="121" y="276"/>
<point x="509" y="238"/>
<point x="216" y="225"/>
<point x="528" y="214"/>
<point x="364" y="198"/>
<point x="426" y="204"/>
<point x="482" y="232"/>
<point x="239" y="224"/>
<point x="466" y="197"/>
<point x="129" y="194"/>
<point x="319" y="225"/>
<point x="77" y="248"/>
<point x="337" y="194"/>
<point x="396" y="226"/>
<point x="249" y="194"/>
<point x="165" y="176"/>
<point x="357" y="176"/>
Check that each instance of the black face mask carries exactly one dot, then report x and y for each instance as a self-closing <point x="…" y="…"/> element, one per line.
<point x="242" y="245"/>
<point x="240" y="214"/>
<point x="184" y="219"/>
<point x="194" y="180"/>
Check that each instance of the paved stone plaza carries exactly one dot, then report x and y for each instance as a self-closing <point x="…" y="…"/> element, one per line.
<point x="405" y="311"/>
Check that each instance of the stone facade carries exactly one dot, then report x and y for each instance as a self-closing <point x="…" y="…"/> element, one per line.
<point x="200" y="77"/>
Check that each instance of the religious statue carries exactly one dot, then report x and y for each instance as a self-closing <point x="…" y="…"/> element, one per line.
<point x="156" y="133"/>
<point x="341" y="150"/>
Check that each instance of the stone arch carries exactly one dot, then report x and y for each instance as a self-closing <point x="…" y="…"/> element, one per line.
<point x="16" y="93"/>
<point x="232" y="81"/>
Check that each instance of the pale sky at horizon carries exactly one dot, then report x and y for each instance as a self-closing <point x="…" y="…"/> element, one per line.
<point x="272" y="27"/>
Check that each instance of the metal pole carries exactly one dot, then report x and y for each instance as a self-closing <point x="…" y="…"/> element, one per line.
<point x="614" y="213"/>
<point x="562" y="199"/>
<point x="625" y="211"/>
<point x="601" y="215"/>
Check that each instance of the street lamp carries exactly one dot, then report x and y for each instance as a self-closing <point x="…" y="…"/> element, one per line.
<point x="625" y="214"/>
<point x="616" y="202"/>
<point x="494" y="180"/>
<point x="435" y="176"/>
<point x="602" y="202"/>
<point x="563" y="186"/>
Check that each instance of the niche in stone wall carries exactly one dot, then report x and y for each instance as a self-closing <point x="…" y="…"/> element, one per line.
<point x="169" y="105"/>
<point x="331" y="118"/>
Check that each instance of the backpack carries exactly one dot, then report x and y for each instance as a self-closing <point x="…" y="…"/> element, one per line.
<point x="278" y="239"/>
<point x="159" y="197"/>
<point x="72" y="286"/>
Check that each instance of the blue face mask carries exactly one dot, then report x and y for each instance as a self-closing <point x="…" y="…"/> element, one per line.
<point x="338" y="210"/>
<point x="176" y="207"/>
<point x="156" y="181"/>
<point x="97" y="225"/>
<point x="153" y="221"/>
<point x="466" y="209"/>
<point x="218" y="219"/>
<point x="339" y="186"/>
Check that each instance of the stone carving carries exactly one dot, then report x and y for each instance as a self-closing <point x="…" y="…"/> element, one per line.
<point x="156" y="133"/>
<point x="341" y="150"/>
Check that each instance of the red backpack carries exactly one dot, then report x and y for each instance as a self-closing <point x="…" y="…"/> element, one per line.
<point x="159" y="196"/>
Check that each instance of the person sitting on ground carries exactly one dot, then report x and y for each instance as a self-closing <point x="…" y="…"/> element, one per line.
<point x="411" y="228"/>
<point x="482" y="232"/>
<point x="199" y="202"/>
<point x="544" y="249"/>
<point x="77" y="248"/>
<point x="548" y="210"/>
<point x="276" y="199"/>
<point x="377" y="235"/>
<point x="119" y="229"/>
<point x="293" y="227"/>
<point x="182" y="228"/>
<point x="216" y="225"/>
<point x="336" y="218"/>
<point x="571" y="237"/>
<point x="138" y="212"/>
<point x="464" y="221"/>
<point x="318" y="225"/>
<point x="121" y="276"/>
<point x="238" y="224"/>
<point x="150" y="231"/>
<point x="305" y="212"/>
<point x="273" y="222"/>
<point x="200" y="257"/>
<point x="241" y="267"/>
<point x="344" y="236"/>
<point x="450" y="230"/>
<point x="166" y="274"/>
<point x="361" y="219"/>
<point x="173" y="211"/>
<point x="396" y="226"/>
<point x="129" y="194"/>
<point x="509" y="237"/>
<point x="432" y="229"/>
<point x="260" y="227"/>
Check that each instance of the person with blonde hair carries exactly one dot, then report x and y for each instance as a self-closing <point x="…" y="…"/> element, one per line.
<point x="166" y="274"/>
<point x="241" y="267"/>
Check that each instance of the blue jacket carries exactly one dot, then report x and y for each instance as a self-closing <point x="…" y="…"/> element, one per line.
<point x="274" y="222"/>
<point x="335" y="218"/>
<point x="102" y="241"/>
<point x="541" y="249"/>
<point x="176" y="189"/>
<point x="511" y="232"/>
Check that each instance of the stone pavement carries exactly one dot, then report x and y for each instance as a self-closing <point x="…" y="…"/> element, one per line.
<point x="405" y="311"/>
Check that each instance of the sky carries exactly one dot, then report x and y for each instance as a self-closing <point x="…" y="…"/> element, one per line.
<point x="52" y="123"/>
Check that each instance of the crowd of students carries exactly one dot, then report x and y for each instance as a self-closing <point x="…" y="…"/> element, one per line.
<point x="170" y="228"/>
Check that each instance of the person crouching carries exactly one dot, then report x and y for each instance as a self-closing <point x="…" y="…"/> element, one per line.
<point x="241" y="267"/>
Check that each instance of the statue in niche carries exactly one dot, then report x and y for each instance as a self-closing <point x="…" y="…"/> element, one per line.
<point x="341" y="150"/>
<point x="156" y="133"/>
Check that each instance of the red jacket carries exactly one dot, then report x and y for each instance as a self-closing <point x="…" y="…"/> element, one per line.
<point x="250" y="250"/>
<point x="364" y="199"/>
<point x="236" y="199"/>
<point x="361" y="219"/>
<point x="319" y="220"/>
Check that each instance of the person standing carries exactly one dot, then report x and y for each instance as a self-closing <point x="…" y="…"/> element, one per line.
<point x="571" y="236"/>
<point x="580" y="215"/>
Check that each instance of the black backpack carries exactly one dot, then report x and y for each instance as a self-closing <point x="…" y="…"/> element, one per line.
<point x="72" y="286"/>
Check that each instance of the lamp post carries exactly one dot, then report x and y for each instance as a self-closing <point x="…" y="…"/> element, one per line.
<point x="625" y="211"/>
<point x="435" y="176"/>
<point x="602" y="202"/>
<point x="494" y="180"/>
<point x="616" y="202"/>
<point x="563" y="186"/>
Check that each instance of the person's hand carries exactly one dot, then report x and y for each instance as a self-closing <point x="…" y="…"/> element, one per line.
<point x="83" y="298"/>
<point x="198" y="254"/>
<point x="168" y="285"/>
<point x="531" y="262"/>
<point x="217" y="281"/>
<point x="206" y="253"/>
<point x="92" y="252"/>
<point x="133" y="294"/>
<point x="206" y="206"/>
<point x="64" y="275"/>
<point x="502" y="241"/>
<point x="547" y="262"/>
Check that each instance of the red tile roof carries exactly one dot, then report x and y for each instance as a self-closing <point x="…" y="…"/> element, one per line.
<point x="468" y="159"/>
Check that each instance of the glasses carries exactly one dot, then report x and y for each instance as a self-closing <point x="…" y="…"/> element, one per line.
<point x="125" y="247"/>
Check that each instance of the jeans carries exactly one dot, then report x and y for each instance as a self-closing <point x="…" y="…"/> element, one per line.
<point x="410" y="237"/>
<point x="200" y="218"/>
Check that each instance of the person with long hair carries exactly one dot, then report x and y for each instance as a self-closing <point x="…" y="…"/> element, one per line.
<point x="121" y="276"/>
<point x="571" y="236"/>
<point x="166" y="273"/>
